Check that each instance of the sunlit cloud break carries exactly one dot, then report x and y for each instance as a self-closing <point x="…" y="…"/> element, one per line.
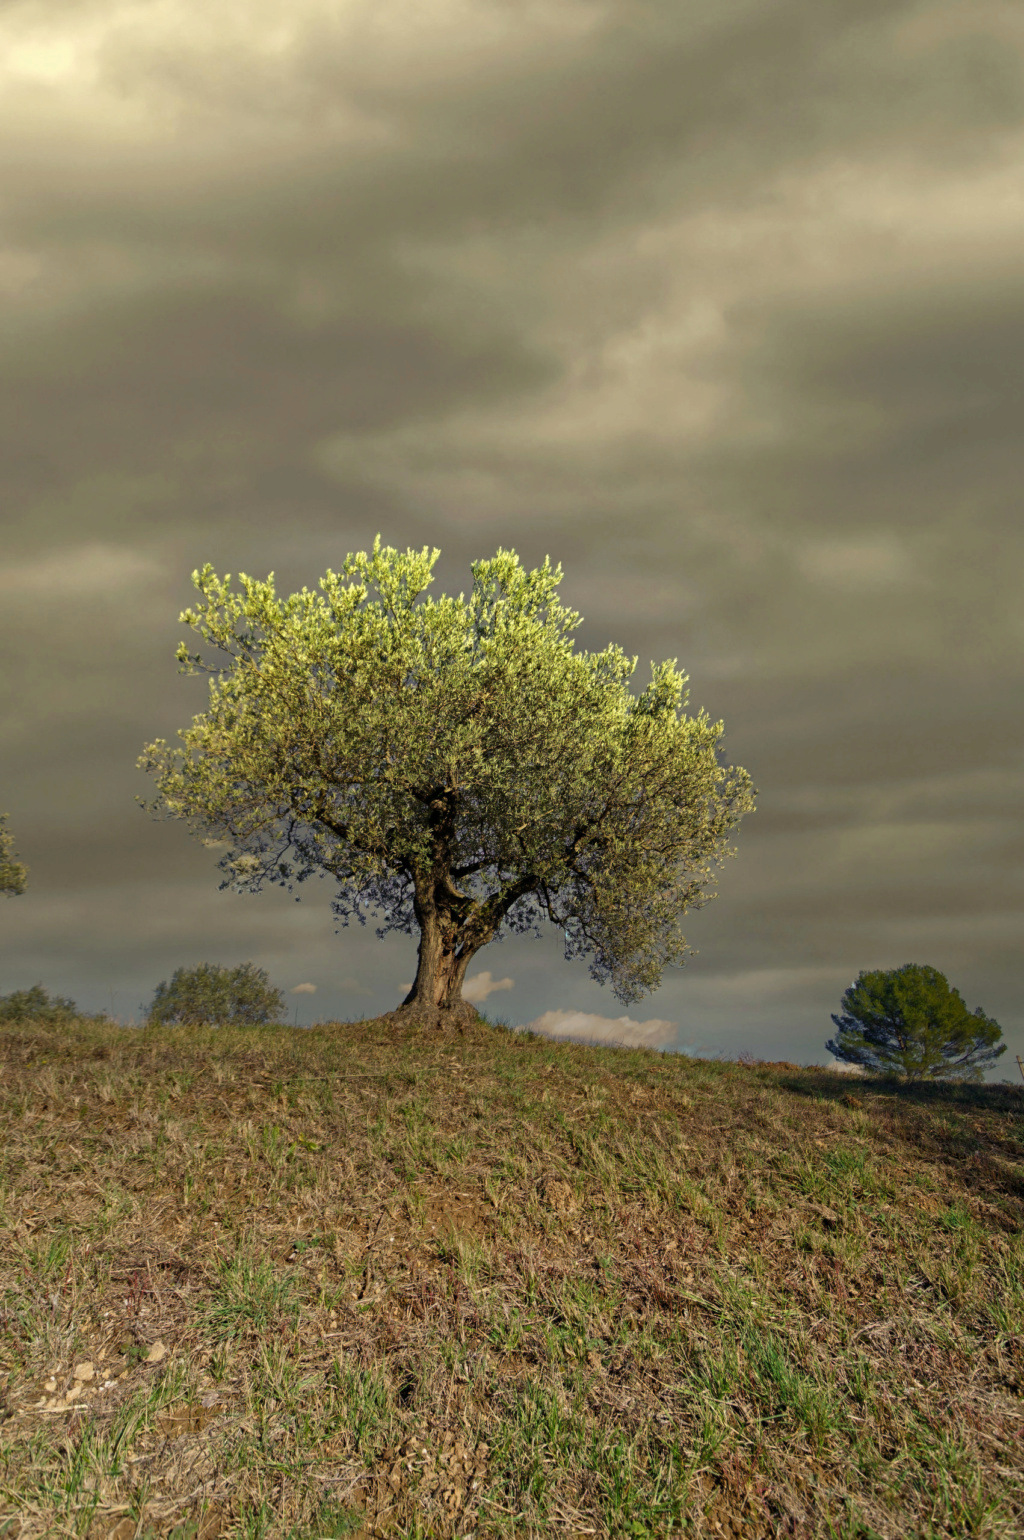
<point x="584" y="1026"/>
<point x="304" y="989"/>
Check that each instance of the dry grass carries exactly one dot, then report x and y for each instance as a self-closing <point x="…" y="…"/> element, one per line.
<point x="488" y="1284"/>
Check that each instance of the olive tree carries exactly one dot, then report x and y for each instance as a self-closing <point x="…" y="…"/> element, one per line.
<point x="12" y="873"/>
<point x="209" y="995"/>
<point x="453" y="764"/>
<point x="37" y="1005"/>
<point x="908" y="1021"/>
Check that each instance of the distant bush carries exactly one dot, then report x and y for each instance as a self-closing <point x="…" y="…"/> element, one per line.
<point x="908" y="1021"/>
<point x="13" y="873"/>
<point x="36" y="1005"/>
<point x="209" y="995"/>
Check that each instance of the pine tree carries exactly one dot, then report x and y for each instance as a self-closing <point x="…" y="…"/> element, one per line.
<point x="908" y="1021"/>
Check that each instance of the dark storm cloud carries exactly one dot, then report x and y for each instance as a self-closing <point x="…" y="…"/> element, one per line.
<point x="908" y="385"/>
<point x="131" y="383"/>
<point x="719" y="305"/>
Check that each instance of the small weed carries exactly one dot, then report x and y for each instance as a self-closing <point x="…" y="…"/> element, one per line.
<point x="249" y="1296"/>
<point x="365" y="1406"/>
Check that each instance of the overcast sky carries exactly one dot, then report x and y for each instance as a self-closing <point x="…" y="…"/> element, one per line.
<point x="719" y="305"/>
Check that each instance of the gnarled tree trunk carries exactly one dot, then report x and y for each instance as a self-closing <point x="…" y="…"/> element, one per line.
<point x="452" y="931"/>
<point x="453" y="926"/>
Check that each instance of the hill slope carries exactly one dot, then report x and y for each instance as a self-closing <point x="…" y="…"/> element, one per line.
<point x="374" y="1279"/>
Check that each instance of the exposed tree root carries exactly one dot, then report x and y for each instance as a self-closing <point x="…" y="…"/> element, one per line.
<point x="460" y="1018"/>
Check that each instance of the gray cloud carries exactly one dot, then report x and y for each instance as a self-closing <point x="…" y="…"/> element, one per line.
<point x="720" y="306"/>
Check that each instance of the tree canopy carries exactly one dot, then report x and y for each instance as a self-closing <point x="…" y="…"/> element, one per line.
<point x="37" y="1005"/>
<point x="13" y="874"/>
<point x="209" y="995"/>
<point x="453" y="764"/>
<point x="908" y="1021"/>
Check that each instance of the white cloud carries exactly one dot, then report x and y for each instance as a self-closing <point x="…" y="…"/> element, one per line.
<point x="304" y="989"/>
<point x="476" y="989"/>
<point x="584" y="1026"/>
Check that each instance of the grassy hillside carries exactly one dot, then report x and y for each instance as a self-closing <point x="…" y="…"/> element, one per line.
<point x="366" y="1279"/>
